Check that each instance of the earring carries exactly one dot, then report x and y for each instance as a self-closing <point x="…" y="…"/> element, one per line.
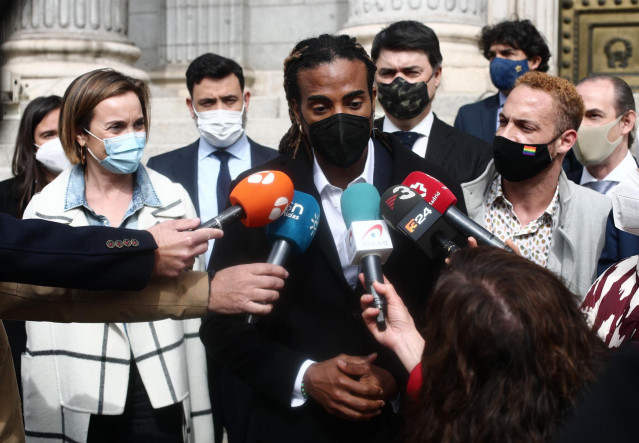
<point x="83" y="155"/>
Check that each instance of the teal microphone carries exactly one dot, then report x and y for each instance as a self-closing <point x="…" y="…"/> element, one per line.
<point x="368" y="241"/>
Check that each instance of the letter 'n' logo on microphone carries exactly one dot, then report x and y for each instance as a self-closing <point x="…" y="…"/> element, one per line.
<point x="390" y="202"/>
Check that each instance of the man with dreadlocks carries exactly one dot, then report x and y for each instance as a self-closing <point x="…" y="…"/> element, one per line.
<point x="316" y="373"/>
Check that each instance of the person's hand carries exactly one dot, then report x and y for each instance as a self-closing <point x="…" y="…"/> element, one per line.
<point x="400" y="335"/>
<point x="513" y="246"/>
<point x="341" y="395"/>
<point x="250" y="288"/>
<point x="177" y="246"/>
<point x="370" y="374"/>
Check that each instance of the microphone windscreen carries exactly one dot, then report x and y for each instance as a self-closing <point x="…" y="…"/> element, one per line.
<point x="360" y="202"/>
<point x="298" y="224"/>
<point x="263" y="196"/>
<point x="396" y="203"/>
<point x="434" y="192"/>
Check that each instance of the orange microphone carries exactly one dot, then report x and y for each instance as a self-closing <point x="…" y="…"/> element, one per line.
<point x="256" y="201"/>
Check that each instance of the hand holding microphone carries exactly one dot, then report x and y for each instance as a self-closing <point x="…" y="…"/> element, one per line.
<point x="367" y="239"/>
<point x="256" y="201"/>
<point x="293" y="232"/>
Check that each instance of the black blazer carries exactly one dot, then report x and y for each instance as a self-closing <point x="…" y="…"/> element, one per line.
<point x="47" y="253"/>
<point x="462" y="156"/>
<point x="480" y="118"/>
<point x="317" y="316"/>
<point x="180" y="165"/>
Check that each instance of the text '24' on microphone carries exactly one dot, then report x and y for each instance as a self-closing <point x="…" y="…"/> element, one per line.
<point x="256" y="201"/>
<point x="441" y="198"/>
<point x="368" y="242"/>
<point x="292" y="233"/>
<point x="406" y="212"/>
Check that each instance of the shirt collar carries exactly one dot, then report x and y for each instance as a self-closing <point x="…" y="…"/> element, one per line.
<point x="143" y="192"/>
<point x="423" y="127"/>
<point x="496" y="191"/>
<point x="322" y="183"/>
<point x="241" y="149"/>
<point x="627" y="165"/>
<point x="502" y="99"/>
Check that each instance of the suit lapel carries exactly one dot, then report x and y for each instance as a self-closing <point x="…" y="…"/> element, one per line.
<point x="185" y="171"/>
<point x="301" y="172"/>
<point x="439" y="143"/>
<point x="489" y="118"/>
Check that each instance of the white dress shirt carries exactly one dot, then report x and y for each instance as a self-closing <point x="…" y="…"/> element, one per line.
<point x="627" y="165"/>
<point x="208" y="168"/>
<point x="423" y="128"/>
<point x="330" y="200"/>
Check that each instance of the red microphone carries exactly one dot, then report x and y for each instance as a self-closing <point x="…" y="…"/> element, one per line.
<point x="256" y="201"/>
<point x="436" y="194"/>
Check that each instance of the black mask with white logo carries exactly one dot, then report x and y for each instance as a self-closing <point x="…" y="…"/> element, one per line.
<point x="341" y="138"/>
<point x="402" y="99"/>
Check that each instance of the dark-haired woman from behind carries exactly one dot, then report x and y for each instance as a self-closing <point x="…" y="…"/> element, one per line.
<point x="37" y="159"/>
<point x="505" y="355"/>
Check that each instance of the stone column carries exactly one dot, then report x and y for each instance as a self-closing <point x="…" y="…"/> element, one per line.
<point x="456" y="23"/>
<point x="192" y="28"/>
<point x="54" y="41"/>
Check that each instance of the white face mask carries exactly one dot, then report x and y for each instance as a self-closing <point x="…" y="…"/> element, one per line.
<point x="592" y="145"/>
<point x="52" y="156"/>
<point x="221" y="128"/>
<point x="625" y="203"/>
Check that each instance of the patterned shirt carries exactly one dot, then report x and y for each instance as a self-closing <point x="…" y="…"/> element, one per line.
<point x="535" y="238"/>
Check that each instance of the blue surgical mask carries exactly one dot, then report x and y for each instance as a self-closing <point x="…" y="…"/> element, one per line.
<point x="124" y="152"/>
<point x="504" y="72"/>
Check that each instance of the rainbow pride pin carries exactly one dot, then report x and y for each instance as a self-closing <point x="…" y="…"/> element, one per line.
<point x="529" y="150"/>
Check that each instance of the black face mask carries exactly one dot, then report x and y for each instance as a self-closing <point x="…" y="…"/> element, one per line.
<point x="341" y="138"/>
<point x="402" y="99"/>
<point x="517" y="162"/>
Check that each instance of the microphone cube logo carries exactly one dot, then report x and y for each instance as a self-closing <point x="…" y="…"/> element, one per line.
<point x="364" y="237"/>
<point x="420" y="218"/>
<point x="267" y="178"/>
<point x="420" y="188"/>
<point x="390" y="202"/>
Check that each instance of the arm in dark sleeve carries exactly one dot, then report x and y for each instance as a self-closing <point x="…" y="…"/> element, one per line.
<point x="51" y="254"/>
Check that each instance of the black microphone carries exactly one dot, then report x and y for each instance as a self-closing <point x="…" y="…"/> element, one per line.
<point x="440" y="197"/>
<point x="406" y="212"/>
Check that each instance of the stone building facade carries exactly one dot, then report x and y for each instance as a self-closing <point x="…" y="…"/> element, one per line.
<point x="47" y="43"/>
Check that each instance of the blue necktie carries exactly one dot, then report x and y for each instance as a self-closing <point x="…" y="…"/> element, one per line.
<point x="223" y="179"/>
<point x="601" y="186"/>
<point x="407" y="138"/>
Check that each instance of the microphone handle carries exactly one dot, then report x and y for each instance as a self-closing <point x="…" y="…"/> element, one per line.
<point x="279" y="252"/>
<point x="224" y="218"/>
<point x="446" y="244"/>
<point x="469" y="227"/>
<point x="372" y="269"/>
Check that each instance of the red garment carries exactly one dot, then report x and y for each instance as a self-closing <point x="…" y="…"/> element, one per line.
<point x="415" y="382"/>
<point x="612" y="304"/>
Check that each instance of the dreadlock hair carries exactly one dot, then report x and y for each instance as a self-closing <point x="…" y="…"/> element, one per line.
<point x="309" y="54"/>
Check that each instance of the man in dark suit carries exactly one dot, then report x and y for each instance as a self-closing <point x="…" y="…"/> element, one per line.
<point x="512" y="47"/>
<point x="311" y="362"/>
<point x="205" y="168"/>
<point x="409" y="70"/>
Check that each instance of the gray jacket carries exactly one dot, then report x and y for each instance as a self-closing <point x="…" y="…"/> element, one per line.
<point x="578" y="239"/>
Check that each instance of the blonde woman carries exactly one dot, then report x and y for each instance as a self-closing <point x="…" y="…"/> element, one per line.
<point x="116" y="381"/>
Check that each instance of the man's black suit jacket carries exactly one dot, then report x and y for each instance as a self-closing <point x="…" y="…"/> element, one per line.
<point x="180" y="165"/>
<point x="318" y="315"/>
<point x="462" y="156"/>
<point x="479" y="118"/>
